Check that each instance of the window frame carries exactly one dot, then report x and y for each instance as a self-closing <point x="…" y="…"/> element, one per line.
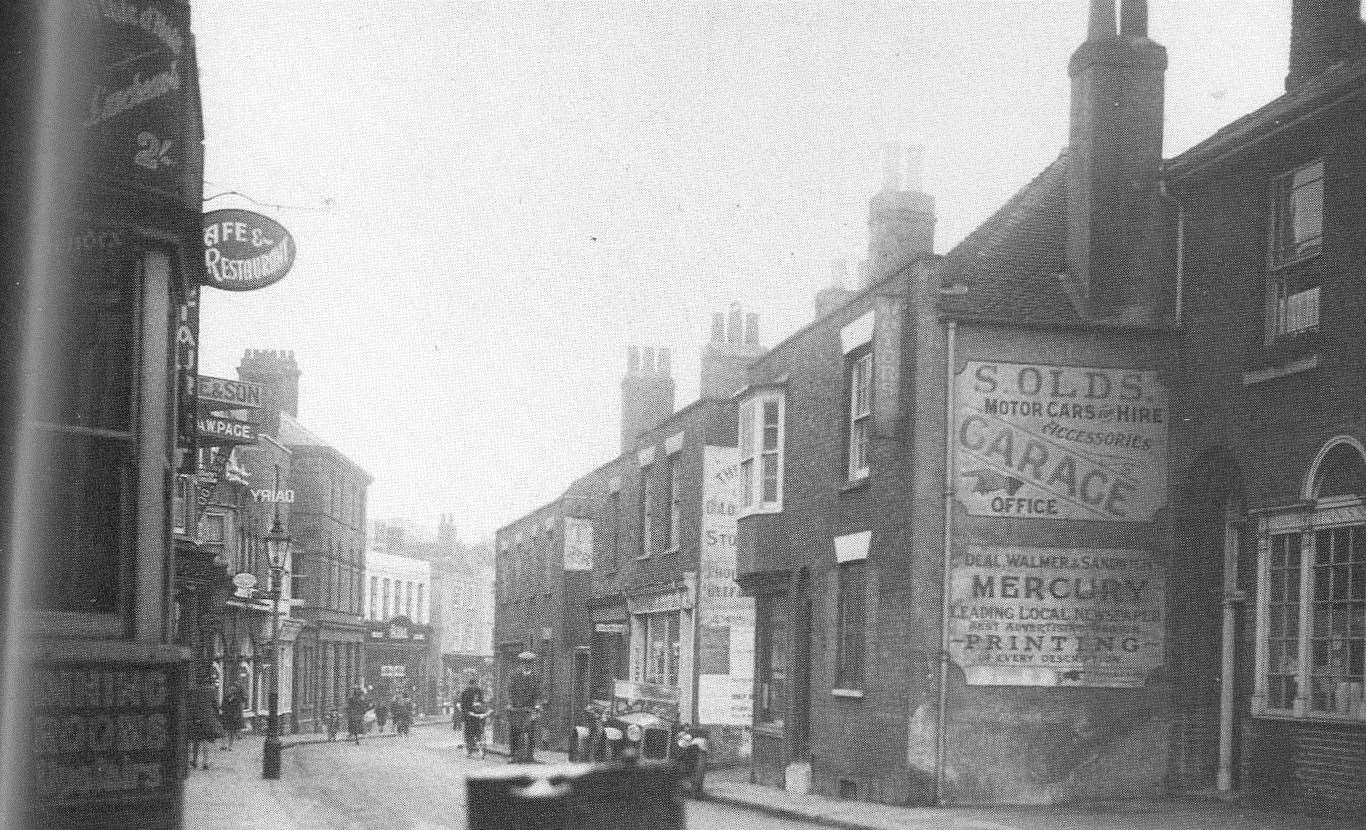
<point x="673" y="497"/>
<point x="754" y="454"/>
<point x="645" y="513"/>
<point x="1297" y="270"/>
<point x="858" y="404"/>
<point x="851" y="630"/>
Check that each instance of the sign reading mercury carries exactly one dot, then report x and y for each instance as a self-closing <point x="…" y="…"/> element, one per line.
<point x="1060" y="442"/>
<point x="1056" y="616"/>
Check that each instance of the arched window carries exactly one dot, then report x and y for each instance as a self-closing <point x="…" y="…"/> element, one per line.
<point x="1311" y="627"/>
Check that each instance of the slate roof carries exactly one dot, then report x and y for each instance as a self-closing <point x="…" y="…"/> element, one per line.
<point x="1013" y="264"/>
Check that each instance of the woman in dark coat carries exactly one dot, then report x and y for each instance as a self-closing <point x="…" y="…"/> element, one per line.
<point x="205" y="724"/>
<point x="233" y="702"/>
<point x="356" y="707"/>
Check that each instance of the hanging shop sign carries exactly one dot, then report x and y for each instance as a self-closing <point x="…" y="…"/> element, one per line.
<point x="216" y="394"/>
<point x="214" y="430"/>
<point x="244" y="251"/>
<point x="725" y="618"/>
<point x="1060" y="442"/>
<point x="1056" y="616"/>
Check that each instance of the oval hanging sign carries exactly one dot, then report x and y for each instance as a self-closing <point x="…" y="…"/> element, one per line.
<point x="244" y="251"/>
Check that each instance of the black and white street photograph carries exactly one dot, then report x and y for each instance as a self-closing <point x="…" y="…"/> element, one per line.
<point x="643" y="415"/>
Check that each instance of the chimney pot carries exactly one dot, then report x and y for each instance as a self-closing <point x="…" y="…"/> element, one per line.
<point x="663" y="365"/>
<point x="647" y="360"/>
<point x="1102" y="25"/>
<point x="752" y="328"/>
<point x="718" y="327"/>
<point x="891" y="166"/>
<point x="633" y="359"/>
<point x="1133" y="18"/>
<point x="733" y="333"/>
<point x="838" y="269"/>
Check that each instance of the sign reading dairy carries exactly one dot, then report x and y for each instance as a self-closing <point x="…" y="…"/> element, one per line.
<point x="1060" y="442"/>
<point x="1056" y="616"/>
<point x="725" y="618"/>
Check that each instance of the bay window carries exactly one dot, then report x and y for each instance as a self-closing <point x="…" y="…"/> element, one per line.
<point x="761" y="438"/>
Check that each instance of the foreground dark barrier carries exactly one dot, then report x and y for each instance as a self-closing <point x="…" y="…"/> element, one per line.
<point x="574" y="797"/>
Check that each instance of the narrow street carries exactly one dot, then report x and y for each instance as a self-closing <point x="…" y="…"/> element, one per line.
<point x="411" y="783"/>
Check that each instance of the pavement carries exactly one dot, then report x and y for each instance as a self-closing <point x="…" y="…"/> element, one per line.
<point x="231" y="794"/>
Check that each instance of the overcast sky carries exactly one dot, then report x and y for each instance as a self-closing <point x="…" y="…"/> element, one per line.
<point x="492" y="201"/>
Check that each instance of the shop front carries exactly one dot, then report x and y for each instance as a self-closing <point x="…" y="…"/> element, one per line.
<point x="396" y="661"/>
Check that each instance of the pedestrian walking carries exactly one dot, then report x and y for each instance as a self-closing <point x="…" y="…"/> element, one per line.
<point x="206" y="724"/>
<point x="233" y="703"/>
<point x="402" y="710"/>
<point x="473" y="712"/>
<point x="524" y="700"/>
<point x="381" y="714"/>
<point x="332" y="721"/>
<point x="356" y="707"/>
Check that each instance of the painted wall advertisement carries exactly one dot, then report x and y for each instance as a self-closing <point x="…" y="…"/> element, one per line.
<point x="578" y="544"/>
<point x="1056" y="616"/>
<point x="1060" y="442"/>
<point x="725" y="618"/>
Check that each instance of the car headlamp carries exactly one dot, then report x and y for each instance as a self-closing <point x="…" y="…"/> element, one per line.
<point x="633" y="732"/>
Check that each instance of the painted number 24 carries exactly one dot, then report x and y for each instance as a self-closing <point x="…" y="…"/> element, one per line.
<point x="153" y="152"/>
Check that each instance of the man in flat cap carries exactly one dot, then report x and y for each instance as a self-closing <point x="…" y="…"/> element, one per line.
<point x="524" y="699"/>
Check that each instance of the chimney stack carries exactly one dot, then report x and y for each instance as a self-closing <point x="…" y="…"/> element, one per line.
<point x="278" y="374"/>
<point x="835" y="294"/>
<point x="900" y="216"/>
<point x="1113" y="163"/>
<point x="725" y="362"/>
<point x="647" y="393"/>
<point x="1322" y="33"/>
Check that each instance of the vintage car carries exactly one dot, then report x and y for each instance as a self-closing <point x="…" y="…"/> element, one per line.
<point x="641" y="723"/>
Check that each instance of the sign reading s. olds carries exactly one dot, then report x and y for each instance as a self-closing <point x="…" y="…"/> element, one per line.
<point x="244" y="251"/>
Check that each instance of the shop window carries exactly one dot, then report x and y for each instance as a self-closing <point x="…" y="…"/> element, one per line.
<point x="663" y="649"/>
<point x="852" y="588"/>
<point x="761" y="453"/>
<point x="1312" y="596"/>
<point x="859" y="405"/>
<point x="1294" y="283"/>
<point x="773" y="622"/>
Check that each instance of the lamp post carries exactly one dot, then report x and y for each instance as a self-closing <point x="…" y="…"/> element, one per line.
<point x="277" y="548"/>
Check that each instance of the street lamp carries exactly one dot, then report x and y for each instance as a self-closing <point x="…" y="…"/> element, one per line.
<point x="277" y="549"/>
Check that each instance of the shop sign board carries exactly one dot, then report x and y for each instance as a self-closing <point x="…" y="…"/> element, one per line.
<point x="244" y="251"/>
<point x="578" y="544"/>
<point x="103" y="733"/>
<point x="725" y="657"/>
<point x="217" y="394"/>
<point x="1060" y="442"/>
<point x="1056" y="616"/>
<point x="215" y="430"/>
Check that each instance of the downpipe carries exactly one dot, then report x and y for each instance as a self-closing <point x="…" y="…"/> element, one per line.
<point x="940" y="745"/>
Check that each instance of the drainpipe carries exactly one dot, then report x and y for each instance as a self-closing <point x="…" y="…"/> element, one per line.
<point x="940" y="761"/>
<point x="1233" y="598"/>
<point x="1180" y="247"/>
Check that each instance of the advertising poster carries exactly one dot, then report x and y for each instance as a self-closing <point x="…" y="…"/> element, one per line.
<point x="578" y="544"/>
<point x="725" y="618"/>
<point x="1056" y="616"/>
<point x="1060" y="442"/>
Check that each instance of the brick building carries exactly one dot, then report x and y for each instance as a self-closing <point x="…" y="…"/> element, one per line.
<point x="901" y="649"/>
<point x="1272" y="600"/>
<point x="327" y="550"/>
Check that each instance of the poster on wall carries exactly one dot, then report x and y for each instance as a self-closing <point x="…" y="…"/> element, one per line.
<point x="578" y="544"/>
<point x="725" y="618"/>
<point x="1056" y="616"/>
<point x="1060" y="442"/>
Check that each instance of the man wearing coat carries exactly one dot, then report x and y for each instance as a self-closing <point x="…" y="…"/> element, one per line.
<point x="524" y="698"/>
